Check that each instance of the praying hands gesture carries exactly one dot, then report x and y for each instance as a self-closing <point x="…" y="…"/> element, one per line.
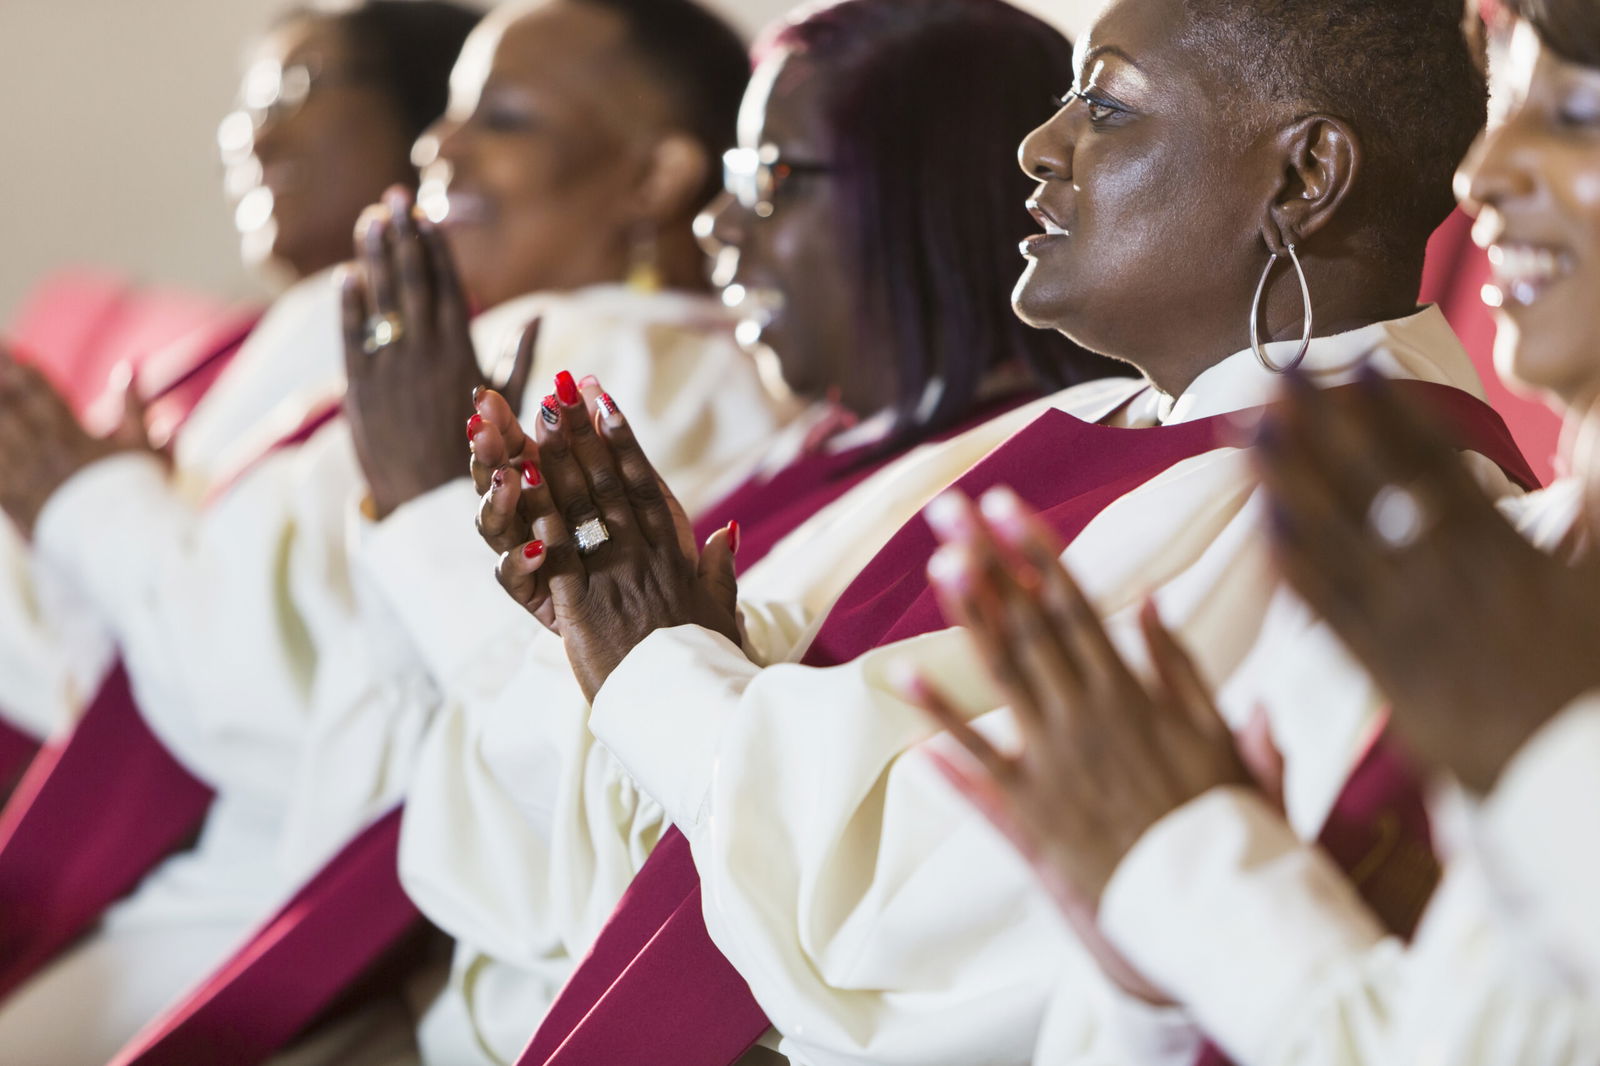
<point x="42" y="443"/>
<point x="592" y="543"/>
<point x="1476" y="637"/>
<point x="1105" y="754"/>
<point x="408" y="354"/>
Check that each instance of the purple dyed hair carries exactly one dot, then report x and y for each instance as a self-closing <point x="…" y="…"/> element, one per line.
<point x="926" y="102"/>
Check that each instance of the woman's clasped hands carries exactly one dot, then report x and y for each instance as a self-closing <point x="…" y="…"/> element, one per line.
<point x="591" y="541"/>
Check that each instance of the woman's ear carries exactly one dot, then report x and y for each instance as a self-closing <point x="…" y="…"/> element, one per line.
<point x="1321" y="160"/>
<point x="675" y="178"/>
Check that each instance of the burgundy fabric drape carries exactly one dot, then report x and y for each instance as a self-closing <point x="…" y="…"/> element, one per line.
<point x="654" y="983"/>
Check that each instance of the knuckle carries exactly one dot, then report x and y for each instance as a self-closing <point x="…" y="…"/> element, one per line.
<point x="605" y="486"/>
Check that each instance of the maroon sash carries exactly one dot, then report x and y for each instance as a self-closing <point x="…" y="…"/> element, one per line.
<point x="88" y="821"/>
<point x="655" y="973"/>
<point x="303" y="959"/>
<point x="91" y="817"/>
<point x="17" y="749"/>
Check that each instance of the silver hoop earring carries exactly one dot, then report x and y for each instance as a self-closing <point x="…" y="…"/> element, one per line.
<point x="1255" y="316"/>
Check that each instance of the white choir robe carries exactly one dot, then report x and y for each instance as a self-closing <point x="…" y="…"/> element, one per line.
<point x="54" y="651"/>
<point x="521" y="833"/>
<point x="264" y="663"/>
<point x="698" y="407"/>
<point x="1262" y="936"/>
<point x="877" y="917"/>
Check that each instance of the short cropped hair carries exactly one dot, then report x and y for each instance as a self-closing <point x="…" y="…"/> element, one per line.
<point x="702" y="67"/>
<point x="925" y="102"/>
<point x="410" y="47"/>
<point x="1569" y="28"/>
<point x="1399" y="71"/>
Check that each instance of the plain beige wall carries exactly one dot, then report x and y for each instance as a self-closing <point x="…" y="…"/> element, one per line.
<point x="110" y="108"/>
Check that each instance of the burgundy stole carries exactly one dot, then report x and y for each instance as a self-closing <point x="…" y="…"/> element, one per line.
<point x="655" y="981"/>
<point x="17" y="749"/>
<point x="92" y="816"/>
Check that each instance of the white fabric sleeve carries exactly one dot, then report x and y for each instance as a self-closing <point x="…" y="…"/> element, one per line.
<point x="1222" y="905"/>
<point x="437" y="574"/>
<point x="1530" y="831"/>
<point x="202" y="605"/>
<point x="53" y="650"/>
<point x="837" y="865"/>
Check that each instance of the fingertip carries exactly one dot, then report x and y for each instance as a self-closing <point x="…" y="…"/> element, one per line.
<point x="948" y="570"/>
<point x="949" y="515"/>
<point x="533" y="551"/>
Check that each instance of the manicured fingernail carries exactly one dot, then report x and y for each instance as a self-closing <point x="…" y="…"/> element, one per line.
<point x="499" y="479"/>
<point x="947" y="569"/>
<point x="531" y="475"/>
<point x="608" y="407"/>
<point x="548" y="411"/>
<point x="589" y="381"/>
<point x="949" y="515"/>
<point x="395" y="201"/>
<point x="533" y="550"/>
<point x="1001" y="505"/>
<point x="477" y="394"/>
<point x="474" y="424"/>
<point x="733" y="538"/>
<point x="567" y="389"/>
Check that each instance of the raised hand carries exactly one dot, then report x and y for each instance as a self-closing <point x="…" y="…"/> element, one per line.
<point x="1476" y="637"/>
<point x="1105" y="754"/>
<point x="408" y="354"/>
<point x="41" y="442"/>
<point x="609" y="557"/>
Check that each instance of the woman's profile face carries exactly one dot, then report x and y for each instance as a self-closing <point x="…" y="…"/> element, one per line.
<point x="315" y="141"/>
<point x="1150" y="207"/>
<point x="532" y="171"/>
<point x="774" y="233"/>
<point x="1533" y="181"/>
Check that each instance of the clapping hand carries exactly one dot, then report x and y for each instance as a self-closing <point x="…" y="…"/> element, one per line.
<point x="1476" y="637"/>
<point x="408" y="354"/>
<point x="1105" y="753"/>
<point x="593" y="543"/>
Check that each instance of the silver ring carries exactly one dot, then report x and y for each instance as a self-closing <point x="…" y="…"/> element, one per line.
<point x="382" y="331"/>
<point x="591" y="536"/>
<point x="1397" y="517"/>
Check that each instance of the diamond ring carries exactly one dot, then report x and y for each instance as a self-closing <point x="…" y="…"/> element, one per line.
<point x="591" y="536"/>
<point x="1397" y="517"/>
<point x="382" y="331"/>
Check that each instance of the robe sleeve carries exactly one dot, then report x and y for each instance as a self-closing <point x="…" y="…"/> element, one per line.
<point x="203" y="604"/>
<point x="1531" y="834"/>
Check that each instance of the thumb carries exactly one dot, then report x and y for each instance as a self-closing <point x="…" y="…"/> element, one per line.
<point x="132" y="428"/>
<point x="1260" y="755"/>
<point x="717" y="571"/>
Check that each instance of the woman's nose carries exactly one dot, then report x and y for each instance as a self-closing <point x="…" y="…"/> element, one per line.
<point x="1046" y="153"/>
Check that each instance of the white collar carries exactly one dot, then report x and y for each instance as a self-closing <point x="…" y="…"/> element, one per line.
<point x="1420" y="346"/>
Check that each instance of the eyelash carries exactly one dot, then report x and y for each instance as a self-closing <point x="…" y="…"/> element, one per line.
<point x="1092" y="103"/>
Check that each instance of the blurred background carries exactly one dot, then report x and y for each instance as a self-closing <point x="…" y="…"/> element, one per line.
<point x="111" y="110"/>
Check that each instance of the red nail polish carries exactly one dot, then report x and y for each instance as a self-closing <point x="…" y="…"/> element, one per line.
<point x="733" y="538"/>
<point x="549" y="412"/>
<point x="608" y="406"/>
<point x="533" y="550"/>
<point x="531" y="475"/>
<point x="589" y="381"/>
<point x="567" y="389"/>
<point x="474" y="424"/>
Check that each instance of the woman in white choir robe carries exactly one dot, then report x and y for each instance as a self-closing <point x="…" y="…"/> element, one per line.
<point x="875" y="917"/>
<point x="1482" y="630"/>
<point x="277" y="150"/>
<point x="330" y="105"/>
<point x="496" y="847"/>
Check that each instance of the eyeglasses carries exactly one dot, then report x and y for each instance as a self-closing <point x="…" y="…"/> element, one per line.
<point x="755" y="175"/>
<point x="273" y="92"/>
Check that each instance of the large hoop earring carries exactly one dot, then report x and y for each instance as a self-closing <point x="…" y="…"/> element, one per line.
<point x="1255" y="316"/>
